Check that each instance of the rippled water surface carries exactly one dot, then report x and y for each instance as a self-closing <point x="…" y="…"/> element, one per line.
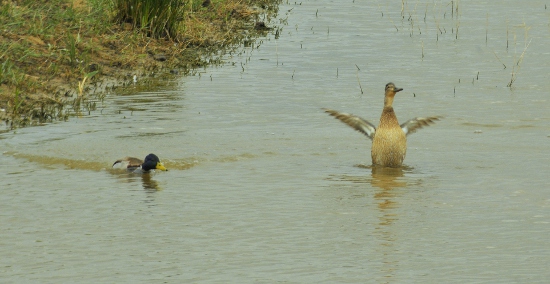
<point x="264" y="187"/>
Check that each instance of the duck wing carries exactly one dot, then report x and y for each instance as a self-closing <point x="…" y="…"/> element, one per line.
<point x="355" y="122"/>
<point x="129" y="162"/>
<point x="412" y="125"/>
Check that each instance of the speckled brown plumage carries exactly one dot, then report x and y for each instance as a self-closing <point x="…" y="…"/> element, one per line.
<point x="389" y="140"/>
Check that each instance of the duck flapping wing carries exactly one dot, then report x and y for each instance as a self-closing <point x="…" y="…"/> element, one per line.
<point x="412" y="125"/>
<point x="355" y="122"/>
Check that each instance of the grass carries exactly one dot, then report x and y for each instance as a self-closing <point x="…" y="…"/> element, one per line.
<point x="157" y="18"/>
<point x="50" y="48"/>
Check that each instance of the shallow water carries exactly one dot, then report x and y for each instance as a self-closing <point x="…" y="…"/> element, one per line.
<point x="264" y="187"/>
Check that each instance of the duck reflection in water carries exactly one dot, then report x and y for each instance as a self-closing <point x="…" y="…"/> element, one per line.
<point x="387" y="182"/>
<point x="147" y="181"/>
<point x="149" y="184"/>
<point x="387" y="178"/>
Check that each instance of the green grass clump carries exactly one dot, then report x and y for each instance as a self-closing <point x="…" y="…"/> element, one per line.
<point x="158" y="18"/>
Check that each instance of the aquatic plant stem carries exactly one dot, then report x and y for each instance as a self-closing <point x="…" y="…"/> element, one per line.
<point x="359" y="82"/>
<point x="518" y="64"/>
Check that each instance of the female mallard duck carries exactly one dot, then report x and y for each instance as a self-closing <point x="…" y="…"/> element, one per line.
<point x="389" y="140"/>
<point x="136" y="165"/>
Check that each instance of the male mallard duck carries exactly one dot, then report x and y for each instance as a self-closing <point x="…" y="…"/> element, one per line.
<point x="389" y="141"/>
<point x="136" y="165"/>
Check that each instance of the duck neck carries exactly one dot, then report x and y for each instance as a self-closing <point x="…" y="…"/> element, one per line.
<point x="388" y="100"/>
<point x="388" y="118"/>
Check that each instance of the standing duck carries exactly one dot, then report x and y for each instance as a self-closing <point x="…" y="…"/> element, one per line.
<point x="138" y="166"/>
<point x="389" y="140"/>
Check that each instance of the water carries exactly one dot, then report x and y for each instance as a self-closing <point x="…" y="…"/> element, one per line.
<point x="264" y="187"/>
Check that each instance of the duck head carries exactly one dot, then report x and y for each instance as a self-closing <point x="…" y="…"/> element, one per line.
<point x="391" y="90"/>
<point x="152" y="162"/>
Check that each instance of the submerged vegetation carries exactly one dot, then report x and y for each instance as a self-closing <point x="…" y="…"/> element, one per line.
<point x="56" y="53"/>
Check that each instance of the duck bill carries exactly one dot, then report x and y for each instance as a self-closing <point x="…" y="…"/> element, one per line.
<point x="160" y="167"/>
<point x="398" y="89"/>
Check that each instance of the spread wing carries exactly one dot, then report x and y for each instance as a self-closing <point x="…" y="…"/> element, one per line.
<point x="355" y="122"/>
<point x="418" y="122"/>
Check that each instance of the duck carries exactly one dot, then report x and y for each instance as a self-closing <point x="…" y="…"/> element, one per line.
<point x="135" y="165"/>
<point x="389" y="139"/>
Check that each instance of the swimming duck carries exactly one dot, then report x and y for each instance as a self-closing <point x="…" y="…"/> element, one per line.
<point x="136" y="165"/>
<point x="389" y="140"/>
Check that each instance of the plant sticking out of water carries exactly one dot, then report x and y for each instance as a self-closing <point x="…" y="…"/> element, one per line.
<point x="454" y="16"/>
<point x="359" y="82"/>
<point x="499" y="59"/>
<point x="426" y="13"/>
<point x="18" y="99"/>
<point x="80" y="99"/>
<point x="457" y="26"/>
<point x="507" y="33"/>
<point x="395" y="26"/>
<point x="411" y="20"/>
<point x="517" y="60"/>
<point x="439" y="9"/>
<point x="83" y="82"/>
<point x="486" y="29"/>
<point x="517" y="66"/>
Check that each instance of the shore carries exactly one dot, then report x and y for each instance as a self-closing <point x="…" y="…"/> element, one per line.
<point x="60" y="53"/>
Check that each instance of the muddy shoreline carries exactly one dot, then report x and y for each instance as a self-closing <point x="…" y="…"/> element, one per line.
<point x="71" y="63"/>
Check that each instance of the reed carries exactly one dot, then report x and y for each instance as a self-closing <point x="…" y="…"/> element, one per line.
<point x="457" y="27"/>
<point x="507" y="35"/>
<point x="499" y="59"/>
<point x="456" y="8"/>
<point x="425" y="12"/>
<point x="455" y="15"/>
<point x="486" y="29"/>
<point x="358" y="82"/>
<point x="394" y="25"/>
<point x="517" y="66"/>
<point x="82" y="83"/>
